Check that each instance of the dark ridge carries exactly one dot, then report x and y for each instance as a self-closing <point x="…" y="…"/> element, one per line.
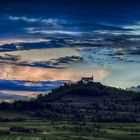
<point x="82" y="102"/>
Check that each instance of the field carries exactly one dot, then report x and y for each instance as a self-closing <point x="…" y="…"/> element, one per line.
<point x="72" y="131"/>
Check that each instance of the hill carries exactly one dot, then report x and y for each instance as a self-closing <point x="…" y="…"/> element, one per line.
<point x="92" y="102"/>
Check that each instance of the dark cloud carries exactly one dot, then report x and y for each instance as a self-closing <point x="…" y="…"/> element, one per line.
<point x="52" y="63"/>
<point x="66" y="60"/>
<point x="30" y="86"/>
<point x="53" y="43"/>
<point x="85" y="40"/>
<point x="39" y="64"/>
<point x="8" y="57"/>
<point x="16" y="60"/>
<point x="8" y="47"/>
<point x="66" y="16"/>
<point x="10" y="88"/>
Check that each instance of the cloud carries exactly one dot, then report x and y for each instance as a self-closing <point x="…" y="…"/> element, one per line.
<point x="22" y="46"/>
<point x="28" y="45"/>
<point x="9" y="57"/>
<point x="11" y="90"/>
<point x="95" y="16"/>
<point x="14" y="72"/>
<point x="47" y="21"/>
<point x="15" y="60"/>
<point x="8" y="47"/>
<point x="39" y="64"/>
<point x="66" y="60"/>
<point x="52" y="63"/>
<point x="30" y="86"/>
<point x="13" y="18"/>
<point x="53" y="32"/>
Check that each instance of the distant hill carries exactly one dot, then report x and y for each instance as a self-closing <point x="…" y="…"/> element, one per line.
<point x="82" y="102"/>
<point x="136" y="89"/>
<point x="12" y="97"/>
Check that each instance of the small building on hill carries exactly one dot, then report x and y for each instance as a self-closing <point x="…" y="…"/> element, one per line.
<point x="87" y="79"/>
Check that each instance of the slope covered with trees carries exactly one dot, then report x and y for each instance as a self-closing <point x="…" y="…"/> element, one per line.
<point x="82" y="102"/>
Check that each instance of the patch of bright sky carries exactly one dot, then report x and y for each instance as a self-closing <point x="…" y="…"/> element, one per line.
<point x="31" y="40"/>
<point x="22" y="93"/>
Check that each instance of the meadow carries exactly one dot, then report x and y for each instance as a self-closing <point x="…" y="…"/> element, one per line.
<point x="71" y="130"/>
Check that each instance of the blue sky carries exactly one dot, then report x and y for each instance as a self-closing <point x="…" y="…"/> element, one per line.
<point x="64" y="40"/>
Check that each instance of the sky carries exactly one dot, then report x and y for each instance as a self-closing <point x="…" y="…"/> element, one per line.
<point x="53" y="41"/>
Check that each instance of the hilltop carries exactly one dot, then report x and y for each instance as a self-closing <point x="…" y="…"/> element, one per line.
<point x="82" y="102"/>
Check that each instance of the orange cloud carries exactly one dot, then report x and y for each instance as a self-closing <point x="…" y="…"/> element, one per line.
<point x="13" y="72"/>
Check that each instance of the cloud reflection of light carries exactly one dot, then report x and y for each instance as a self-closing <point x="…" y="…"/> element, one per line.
<point x="13" y="72"/>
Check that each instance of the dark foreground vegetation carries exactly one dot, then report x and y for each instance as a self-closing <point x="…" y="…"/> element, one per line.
<point x="74" y="112"/>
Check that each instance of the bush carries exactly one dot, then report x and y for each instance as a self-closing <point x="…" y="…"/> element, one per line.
<point x="23" y="129"/>
<point x="2" y="132"/>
